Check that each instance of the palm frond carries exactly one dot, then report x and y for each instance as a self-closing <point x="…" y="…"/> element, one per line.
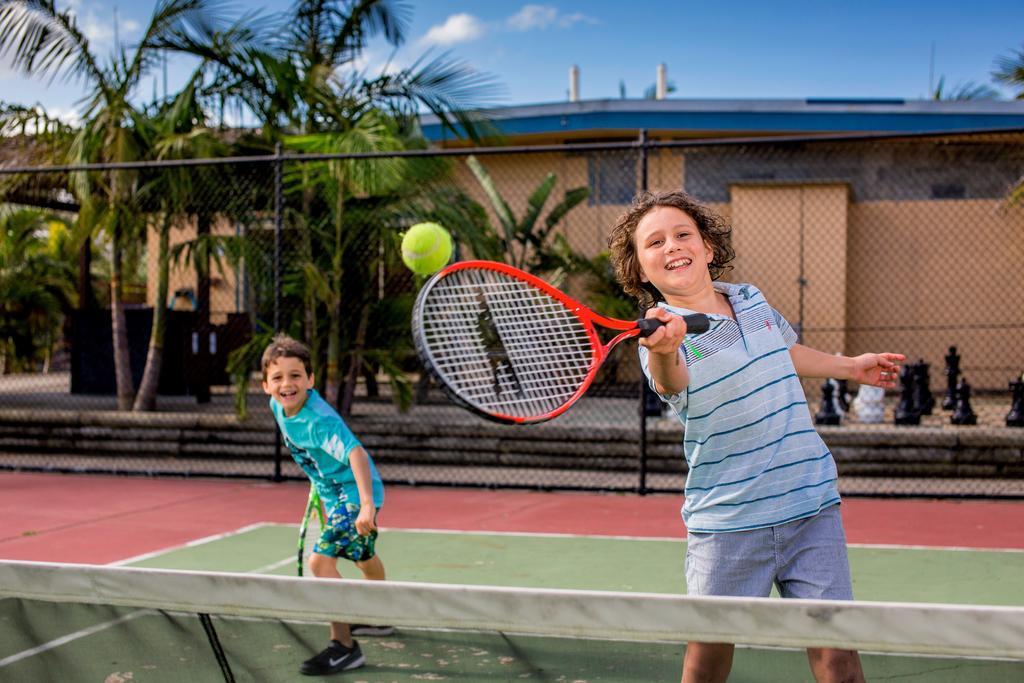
<point x="365" y="20"/>
<point x="450" y="88"/>
<point x="1010" y="70"/>
<point x="44" y="42"/>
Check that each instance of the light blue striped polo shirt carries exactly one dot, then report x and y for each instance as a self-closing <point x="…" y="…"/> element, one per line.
<point x="755" y="458"/>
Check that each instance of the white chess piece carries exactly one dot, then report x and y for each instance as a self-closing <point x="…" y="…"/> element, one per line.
<point x="869" y="404"/>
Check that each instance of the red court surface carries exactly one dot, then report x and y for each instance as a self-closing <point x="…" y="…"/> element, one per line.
<point x="99" y="519"/>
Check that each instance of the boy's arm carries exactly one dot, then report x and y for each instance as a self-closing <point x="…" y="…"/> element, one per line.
<point x="359" y="461"/>
<point x="663" y="362"/>
<point x="876" y="369"/>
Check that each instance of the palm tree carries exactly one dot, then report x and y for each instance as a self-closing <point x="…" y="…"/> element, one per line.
<point x="523" y="241"/>
<point x="175" y="130"/>
<point x="37" y="285"/>
<point x="46" y="43"/>
<point x="297" y="74"/>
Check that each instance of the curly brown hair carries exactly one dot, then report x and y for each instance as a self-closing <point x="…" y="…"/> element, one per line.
<point x="622" y="245"/>
<point x="283" y="346"/>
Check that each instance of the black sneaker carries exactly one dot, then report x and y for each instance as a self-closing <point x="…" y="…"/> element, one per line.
<point x="335" y="657"/>
<point x="368" y="630"/>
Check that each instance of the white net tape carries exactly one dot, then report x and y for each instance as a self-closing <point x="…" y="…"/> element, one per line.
<point x="930" y="629"/>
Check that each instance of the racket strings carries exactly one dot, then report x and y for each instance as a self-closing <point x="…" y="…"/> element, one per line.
<point x="505" y="345"/>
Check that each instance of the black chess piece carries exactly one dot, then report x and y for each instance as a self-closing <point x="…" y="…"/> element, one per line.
<point x="923" y="399"/>
<point x="827" y="415"/>
<point x="952" y="372"/>
<point x="905" y="412"/>
<point x="1015" y="418"/>
<point x="842" y="395"/>
<point x="963" y="414"/>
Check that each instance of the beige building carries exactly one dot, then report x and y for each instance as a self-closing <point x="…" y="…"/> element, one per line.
<point x="862" y="241"/>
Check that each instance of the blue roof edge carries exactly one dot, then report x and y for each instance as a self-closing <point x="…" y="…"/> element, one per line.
<point x="812" y="115"/>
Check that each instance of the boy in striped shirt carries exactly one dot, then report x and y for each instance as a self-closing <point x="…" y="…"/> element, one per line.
<point x="762" y="504"/>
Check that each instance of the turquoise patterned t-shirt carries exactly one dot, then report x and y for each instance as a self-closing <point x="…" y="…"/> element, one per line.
<point x="321" y="443"/>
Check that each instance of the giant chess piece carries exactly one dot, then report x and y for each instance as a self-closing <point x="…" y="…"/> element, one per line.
<point x="923" y="399"/>
<point x="952" y="372"/>
<point x="1015" y="418"/>
<point x="963" y="414"/>
<point x="870" y="404"/>
<point x="827" y="414"/>
<point x="842" y="394"/>
<point x="905" y="412"/>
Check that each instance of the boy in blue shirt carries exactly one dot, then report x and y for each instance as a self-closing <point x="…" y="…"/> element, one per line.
<point x="345" y="478"/>
<point x="762" y="501"/>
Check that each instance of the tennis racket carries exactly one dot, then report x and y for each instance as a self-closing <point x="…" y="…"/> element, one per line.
<point x="312" y="507"/>
<point x="510" y="347"/>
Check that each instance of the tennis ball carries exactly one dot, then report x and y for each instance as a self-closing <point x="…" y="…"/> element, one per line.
<point x="426" y="248"/>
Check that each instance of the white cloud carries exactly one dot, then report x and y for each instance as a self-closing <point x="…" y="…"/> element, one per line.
<point x="96" y="23"/>
<point x="532" y="17"/>
<point x="567" y="20"/>
<point x="458" y="28"/>
<point x="98" y="32"/>
<point x="65" y="114"/>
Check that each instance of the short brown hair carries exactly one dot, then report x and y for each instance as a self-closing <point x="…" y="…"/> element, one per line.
<point x="622" y="244"/>
<point x="283" y="346"/>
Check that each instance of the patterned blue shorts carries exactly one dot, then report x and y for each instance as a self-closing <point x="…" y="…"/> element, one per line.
<point x="340" y="538"/>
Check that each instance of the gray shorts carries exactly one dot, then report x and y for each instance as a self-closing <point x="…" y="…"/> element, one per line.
<point x="805" y="558"/>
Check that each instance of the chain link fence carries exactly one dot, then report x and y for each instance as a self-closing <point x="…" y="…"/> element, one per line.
<point x="909" y="244"/>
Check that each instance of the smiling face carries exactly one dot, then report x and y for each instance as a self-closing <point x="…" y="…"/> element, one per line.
<point x="672" y="254"/>
<point x="287" y="383"/>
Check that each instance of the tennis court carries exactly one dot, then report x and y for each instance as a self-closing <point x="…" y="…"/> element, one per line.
<point x="964" y="553"/>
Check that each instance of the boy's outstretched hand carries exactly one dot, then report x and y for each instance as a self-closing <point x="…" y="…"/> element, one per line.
<point x="877" y="369"/>
<point x="365" y="523"/>
<point x="667" y="338"/>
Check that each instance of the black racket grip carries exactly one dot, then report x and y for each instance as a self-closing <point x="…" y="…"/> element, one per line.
<point x="695" y="324"/>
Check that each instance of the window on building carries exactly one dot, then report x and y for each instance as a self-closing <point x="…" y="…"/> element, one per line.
<point x="611" y="177"/>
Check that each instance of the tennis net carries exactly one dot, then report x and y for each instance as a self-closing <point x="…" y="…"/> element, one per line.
<point x="115" y="624"/>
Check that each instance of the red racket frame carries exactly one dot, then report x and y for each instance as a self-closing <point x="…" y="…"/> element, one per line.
<point x="627" y="329"/>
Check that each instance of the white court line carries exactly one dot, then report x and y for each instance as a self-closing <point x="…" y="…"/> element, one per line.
<point x="271" y="567"/>
<point x="537" y="534"/>
<point x="63" y="640"/>
<point x="191" y="544"/>
<point x="669" y="538"/>
<point x="955" y="548"/>
<point x="57" y="642"/>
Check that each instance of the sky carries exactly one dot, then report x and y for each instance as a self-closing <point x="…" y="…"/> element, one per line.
<point x="757" y="49"/>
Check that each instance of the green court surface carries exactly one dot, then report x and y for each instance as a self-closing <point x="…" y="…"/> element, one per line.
<point x="118" y="645"/>
<point x="603" y="563"/>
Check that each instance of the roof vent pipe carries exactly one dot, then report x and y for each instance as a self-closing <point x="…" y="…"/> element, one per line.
<point x="574" y="83"/>
<point x="662" y="88"/>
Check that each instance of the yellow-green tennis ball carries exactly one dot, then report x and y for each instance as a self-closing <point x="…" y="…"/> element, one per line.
<point x="426" y="248"/>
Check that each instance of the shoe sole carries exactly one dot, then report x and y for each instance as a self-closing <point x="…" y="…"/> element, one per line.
<point x="348" y="666"/>
<point x="373" y="631"/>
<point x="354" y="664"/>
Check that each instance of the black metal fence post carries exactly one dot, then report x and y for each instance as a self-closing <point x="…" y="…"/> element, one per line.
<point x="278" y="242"/>
<point x="642" y="408"/>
